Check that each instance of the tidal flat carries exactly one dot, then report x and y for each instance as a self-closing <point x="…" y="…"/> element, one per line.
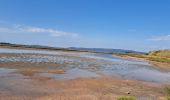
<point x="58" y="75"/>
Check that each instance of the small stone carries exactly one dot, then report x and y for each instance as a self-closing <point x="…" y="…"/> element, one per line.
<point x="128" y="92"/>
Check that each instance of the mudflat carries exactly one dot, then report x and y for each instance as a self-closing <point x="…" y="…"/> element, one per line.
<point x="68" y="77"/>
<point x="42" y="88"/>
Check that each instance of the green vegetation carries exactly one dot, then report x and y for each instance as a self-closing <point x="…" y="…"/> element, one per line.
<point x="168" y="98"/>
<point x="158" y="56"/>
<point x="126" y="98"/>
<point x="167" y="92"/>
<point x="160" y="53"/>
<point x="159" y="59"/>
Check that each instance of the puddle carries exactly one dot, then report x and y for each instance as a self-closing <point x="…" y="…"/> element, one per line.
<point x="5" y="71"/>
<point x="71" y="74"/>
<point x="9" y="74"/>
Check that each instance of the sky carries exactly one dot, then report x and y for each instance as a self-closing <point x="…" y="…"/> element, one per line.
<point x="141" y="25"/>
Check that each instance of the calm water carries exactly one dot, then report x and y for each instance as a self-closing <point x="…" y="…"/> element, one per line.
<point x="90" y="65"/>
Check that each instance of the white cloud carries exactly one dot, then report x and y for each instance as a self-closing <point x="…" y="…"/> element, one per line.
<point x="17" y="28"/>
<point x="161" y="38"/>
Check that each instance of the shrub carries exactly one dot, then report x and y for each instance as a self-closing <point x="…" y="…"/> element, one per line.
<point x="126" y="98"/>
<point x="168" y="98"/>
<point x="167" y="91"/>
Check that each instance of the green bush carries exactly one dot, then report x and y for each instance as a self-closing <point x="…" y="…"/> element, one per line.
<point x="167" y="91"/>
<point x="126" y="98"/>
<point x="168" y="98"/>
<point x="160" y="53"/>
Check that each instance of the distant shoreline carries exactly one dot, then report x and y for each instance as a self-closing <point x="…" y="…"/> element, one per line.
<point x="126" y="55"/>
<point x="71" y="49"/>
<point x="33" y="47"/>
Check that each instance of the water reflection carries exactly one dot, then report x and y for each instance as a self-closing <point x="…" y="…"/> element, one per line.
<point x="89" y="65"/>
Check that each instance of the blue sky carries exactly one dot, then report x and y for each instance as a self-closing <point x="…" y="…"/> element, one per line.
<point x="141" y="25"/>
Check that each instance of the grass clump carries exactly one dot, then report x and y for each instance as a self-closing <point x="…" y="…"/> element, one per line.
<point x="168" y="98"/>
<point x="160" y="53"/>
<point x="158" y="56"/>
<point x="167" y="91"/>
<point x="126" y="98"/>
<point x="158" y="59"/>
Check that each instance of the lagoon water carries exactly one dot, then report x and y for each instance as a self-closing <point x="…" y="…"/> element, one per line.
<point x="89" y="65"/>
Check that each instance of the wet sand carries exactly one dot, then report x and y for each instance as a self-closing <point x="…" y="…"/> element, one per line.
<point x="101" y="88"/>
<point x="130" y="57"/>
<point x="25" y="79"/>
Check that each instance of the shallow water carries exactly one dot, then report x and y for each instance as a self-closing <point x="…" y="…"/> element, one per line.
<point x="71" y="74"/>
<point x="89" y="65"/>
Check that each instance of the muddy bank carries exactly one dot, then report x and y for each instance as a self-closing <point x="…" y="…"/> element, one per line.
<point x="130" y="57"/>
<point x="155" y="63"/>
<point x="38" y="87"/>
